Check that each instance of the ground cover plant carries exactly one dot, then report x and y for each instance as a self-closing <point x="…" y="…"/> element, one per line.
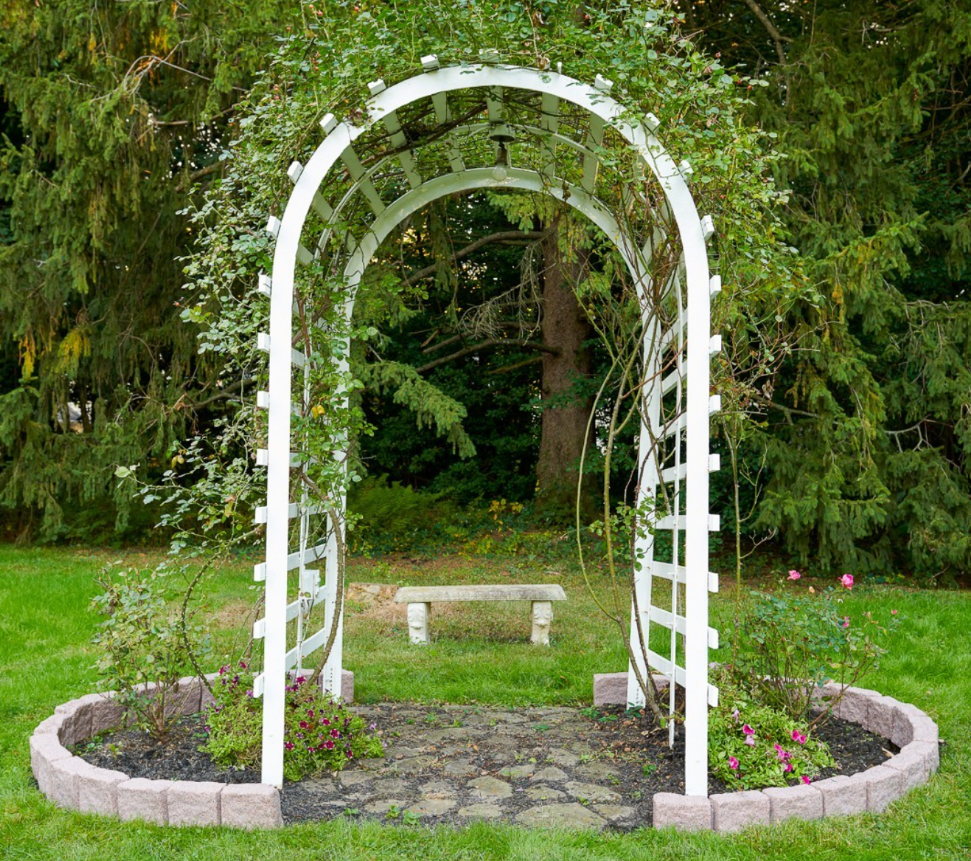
<point x="46" y="658"/>
<point x="319" y="733"/>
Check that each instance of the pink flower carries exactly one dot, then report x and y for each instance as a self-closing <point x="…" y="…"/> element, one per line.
<point x="750" y="741"/>
<point x="806" y="780"/>
<point x="732" y="762"/>
<point x="787" y="767"/>
<point x="847" y="580"/>
<point x="794" y="575"/>
<point x="846" y="622"/>
<point x="734" y="715"/>
<point x="798" y="737"/>
<point x="288" y="745"/>
<point x="748" y="730"/>
<point x="893" y="612"/>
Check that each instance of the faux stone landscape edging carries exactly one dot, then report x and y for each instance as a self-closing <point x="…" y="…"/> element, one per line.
<point x="74" y="784"/>
<point x="872" y="790"/>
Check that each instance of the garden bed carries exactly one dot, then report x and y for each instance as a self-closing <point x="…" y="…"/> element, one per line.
<point x="594" y="768"/>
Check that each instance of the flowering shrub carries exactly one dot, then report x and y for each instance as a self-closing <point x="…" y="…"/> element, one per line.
<point x="144" y="640"/>
<point x="752" y="746"/>
<point x="320" y="733"/>
<point x="790" y="642"/>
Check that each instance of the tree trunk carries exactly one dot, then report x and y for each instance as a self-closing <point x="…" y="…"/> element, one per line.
<point x="566" y="401"/>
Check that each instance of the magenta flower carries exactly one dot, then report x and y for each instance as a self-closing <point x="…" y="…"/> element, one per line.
<point x="798" y="737"/>
<point x="329" y="744"/>
<point x="748" y="730"/>
<point x="794" y="575"/>
<point x="806" y="780"/>
<point x="335" y="734"/>
<point x="304" y="725"/>
<point x="787" y="767"/>
<point x="288" y="745"/>
<point x="847" y="580"/>
<point x="732" y="762"/>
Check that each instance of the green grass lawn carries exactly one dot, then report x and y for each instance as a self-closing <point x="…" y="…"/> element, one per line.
<point x="480" y="652"/>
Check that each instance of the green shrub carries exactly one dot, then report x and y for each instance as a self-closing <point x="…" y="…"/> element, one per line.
<point x="393" y="516"/>
<point x="320" y="733"/>
<point x="751" y="746"/>
<point x="145" y="640"/>
<point x="789" y="643"/>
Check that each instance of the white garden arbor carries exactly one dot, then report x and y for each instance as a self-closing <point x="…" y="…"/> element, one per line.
<point x="456" y="129"/>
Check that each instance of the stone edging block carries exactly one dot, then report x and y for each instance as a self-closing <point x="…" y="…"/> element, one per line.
<point x="733" y="811"/>
<point x="251" y="805"/>
<point x="794" y="802"/>
<point x="610" y="689"/>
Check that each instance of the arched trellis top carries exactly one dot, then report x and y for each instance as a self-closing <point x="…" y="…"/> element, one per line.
<point x="691" y="460"/>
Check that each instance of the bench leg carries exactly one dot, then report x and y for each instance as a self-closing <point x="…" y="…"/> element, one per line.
<point x="418" y="623"/>
<point x="542" y="615"/>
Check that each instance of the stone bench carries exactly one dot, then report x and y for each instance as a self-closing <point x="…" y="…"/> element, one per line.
<point x="420" y="598"/>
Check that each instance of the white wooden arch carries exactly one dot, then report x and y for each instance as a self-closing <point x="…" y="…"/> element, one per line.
<point x="689" y="340"/>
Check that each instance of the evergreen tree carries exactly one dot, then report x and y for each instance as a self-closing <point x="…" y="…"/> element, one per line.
<point x="112" y="114"/>
<point x="869" y="425"/>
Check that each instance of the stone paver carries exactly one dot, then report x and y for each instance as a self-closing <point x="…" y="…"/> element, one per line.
<point x="596" y="770"/>
<point x="551" y="773"/>
<point x="433" y="806"/>
<point x="517" y="772"/>
<point x="460" y="768"/>
<point x="544" y="793"/>
<point x="480" y="811"/>
<point x="489" y="788"/>
<point x="616" y="812"/>
<point x="382" y="807"/>
<point x="560" y="816"/>
<point x="592" y="792"/>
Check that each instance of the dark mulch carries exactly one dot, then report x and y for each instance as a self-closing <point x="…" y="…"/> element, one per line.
<point x="435" y="753"/>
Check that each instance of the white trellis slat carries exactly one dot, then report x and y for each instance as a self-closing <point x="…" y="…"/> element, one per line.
<point x="398" y="138"/>
<point x="679" y="574"/>
<point x="293" y="610"/>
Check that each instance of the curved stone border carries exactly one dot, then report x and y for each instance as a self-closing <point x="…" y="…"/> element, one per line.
<point x="74" y="784"/>
<point x="872" y="790"/>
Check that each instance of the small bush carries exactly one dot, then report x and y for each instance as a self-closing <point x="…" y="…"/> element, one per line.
<point x="320" y="733"/>
<point x="393" y="516"/>
<point x="751" y="746"/>
<point x="789" y="643"/>
<point x="144" y="639"/>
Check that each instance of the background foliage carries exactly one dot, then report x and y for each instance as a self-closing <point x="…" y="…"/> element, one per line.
<point x="858" y="455"/>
